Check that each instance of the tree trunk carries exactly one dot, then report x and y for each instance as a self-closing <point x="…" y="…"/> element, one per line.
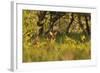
<point x="72" y="19"/>
<point x="87" y="26"/>
<point x="80" y="23"/>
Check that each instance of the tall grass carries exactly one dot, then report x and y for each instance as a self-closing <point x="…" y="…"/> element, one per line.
<point x="65" y="47"/>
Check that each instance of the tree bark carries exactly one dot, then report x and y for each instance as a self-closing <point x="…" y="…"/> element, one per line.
<point x="80" y="23"/>
<point x="72" y="19"/>
<point x="87" y="26"/>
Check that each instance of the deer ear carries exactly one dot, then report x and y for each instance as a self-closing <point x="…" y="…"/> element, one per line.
<point x="55" y="33"/>
<point x="51" y="33"/>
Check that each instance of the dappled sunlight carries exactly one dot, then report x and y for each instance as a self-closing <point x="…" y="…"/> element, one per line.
<point x="55" y="36"/>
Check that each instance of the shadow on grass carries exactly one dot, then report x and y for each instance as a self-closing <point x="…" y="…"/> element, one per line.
<point x="82" y="37"/>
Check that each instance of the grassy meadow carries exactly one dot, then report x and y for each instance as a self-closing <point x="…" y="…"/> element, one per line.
<point x="55" y="36"/>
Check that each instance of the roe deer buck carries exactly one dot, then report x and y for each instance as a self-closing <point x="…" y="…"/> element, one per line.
<point x="52" y="34"/>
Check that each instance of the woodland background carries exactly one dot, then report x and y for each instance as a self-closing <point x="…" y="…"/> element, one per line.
<point x="53" y="36"/>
